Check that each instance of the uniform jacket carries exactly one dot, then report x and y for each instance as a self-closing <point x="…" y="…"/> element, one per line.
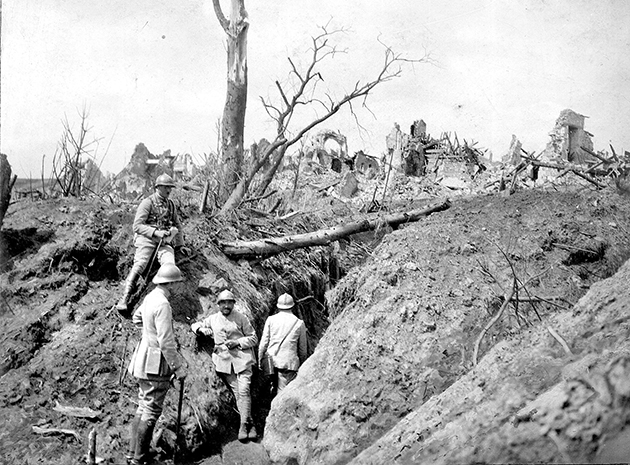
<point x="156" y="317"/>
<point x="234" y="327"/>
<point x="293" y="351"/>
<point x="156" y="212"/>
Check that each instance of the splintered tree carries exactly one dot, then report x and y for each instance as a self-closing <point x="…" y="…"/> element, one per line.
<point x="233" y="122"/>
<point x="299" y="92"/>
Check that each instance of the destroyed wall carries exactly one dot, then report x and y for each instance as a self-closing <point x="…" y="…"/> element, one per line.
<point x="93" y="178"/>
<point x="183" y="167"/>
<point x="418" y="128"/>
<point x="418" y="154"/>
<point x="395" y="141"/>
<point x="568" y="137"/>
<point x="366" y="164"/>
<point x="513" y="155"/>
<point x="315" y="150"/>
<point x="136" y="179"/>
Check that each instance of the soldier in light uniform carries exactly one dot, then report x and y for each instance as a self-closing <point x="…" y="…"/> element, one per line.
<point x="284" y="339"/>
<point x="155" y="361"/>
<point x="156" y="225"/>
<point x="233" y="355"/>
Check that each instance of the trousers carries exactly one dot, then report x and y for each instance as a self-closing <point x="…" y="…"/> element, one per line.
<point x="239" y="384"/>
<point x="151" y="395"/>
<point x="144" y="251"/>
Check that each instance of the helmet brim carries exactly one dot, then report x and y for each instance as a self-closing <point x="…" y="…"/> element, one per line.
<point x="157" y="280"/>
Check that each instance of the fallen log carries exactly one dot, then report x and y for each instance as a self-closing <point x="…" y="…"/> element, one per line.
<point x="271" y="246"/>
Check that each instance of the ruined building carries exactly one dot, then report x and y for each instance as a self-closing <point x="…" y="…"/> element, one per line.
<point x="569" y="139"/>
<point x="136" y="179"/>
<point x="418" y="154"/>
<point x="319" y="149"/>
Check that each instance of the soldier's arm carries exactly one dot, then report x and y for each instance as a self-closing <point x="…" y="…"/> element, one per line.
<point x="249" y="338"/>
<point x="264" y="342"/>
<point x="302" y="344"/>
<point x="139" y="223"/>
<point x="166" y="336"/>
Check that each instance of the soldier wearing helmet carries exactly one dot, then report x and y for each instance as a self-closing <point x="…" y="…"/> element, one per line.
<point x="156" y="226"/>
<point x="233" y="355"/>
<point x="155" y="361"/>
<point x="284" y="340"/>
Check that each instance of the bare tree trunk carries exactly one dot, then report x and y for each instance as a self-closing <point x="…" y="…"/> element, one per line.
<point x="233" y="122"/>
<point x="275" y="245"/>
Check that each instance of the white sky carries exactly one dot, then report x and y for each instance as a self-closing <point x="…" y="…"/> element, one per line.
<point x="153" y="71"/>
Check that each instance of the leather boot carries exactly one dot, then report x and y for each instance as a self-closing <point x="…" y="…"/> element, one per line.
<point x="251" y="433"/>
<point x="130" y="283"/>
<point x="242" y="432"/>
<point x="143" y="454"/>
<point x="133" y="438"/>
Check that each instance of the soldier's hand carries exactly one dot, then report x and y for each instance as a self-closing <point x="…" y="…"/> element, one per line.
<point x="179" y="374"/>
<point x="161" y="234"/>
<point x="198" y="329"/>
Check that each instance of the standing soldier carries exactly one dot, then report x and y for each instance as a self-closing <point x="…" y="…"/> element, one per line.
<point x="284" y="340"/>
<point x="157" y="230"/>
<point x="233" y="355"/>
<point x="155" y="362"/>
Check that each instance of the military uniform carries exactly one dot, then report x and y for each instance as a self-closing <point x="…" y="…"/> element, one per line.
<point x="154" y="361"/>
<point x="284" y="339"/>
<point x="154" y="213"/>
<point x="234" y="366"/>
<point x="156" y="225"/>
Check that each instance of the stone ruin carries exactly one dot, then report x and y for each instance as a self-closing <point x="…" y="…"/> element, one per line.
<point x="315" y="150"/>
<point x="445" y="158"/>
<point x="367" y="165"/>
<point x="569" y="140"/>
<point x="136" y="179"/>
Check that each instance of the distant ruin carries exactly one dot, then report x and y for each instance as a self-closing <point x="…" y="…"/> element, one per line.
<point x="136" y="179"/>
<point x="569" y="140"/>
<point x="315" y="149"/>
<point x="446" y="158"/>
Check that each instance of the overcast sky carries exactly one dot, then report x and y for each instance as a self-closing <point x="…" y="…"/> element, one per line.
<point x="153" y="71"/>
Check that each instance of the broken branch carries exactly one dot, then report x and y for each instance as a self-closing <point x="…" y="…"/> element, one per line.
<point x="560" y="339"/>
<point x="494" y="319"/>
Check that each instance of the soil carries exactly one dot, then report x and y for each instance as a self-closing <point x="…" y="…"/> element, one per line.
<point x="393" y="320"/>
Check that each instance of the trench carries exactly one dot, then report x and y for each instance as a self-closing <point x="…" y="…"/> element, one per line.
<point x="308" y="275"/>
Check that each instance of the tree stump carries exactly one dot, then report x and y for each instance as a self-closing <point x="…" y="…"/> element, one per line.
<point x="6" y="184"/>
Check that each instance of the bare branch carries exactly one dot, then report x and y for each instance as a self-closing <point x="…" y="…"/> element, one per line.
<point x="225" y="24"/>
<point x="304" y="84"/>
<point x="284" y="97"/>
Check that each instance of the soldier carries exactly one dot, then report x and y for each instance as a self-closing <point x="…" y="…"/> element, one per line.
<point x="233" y="355"/>
<point x="155" y="362"/>
<point x="284" y="340"/>
<point x="157" y="230"/>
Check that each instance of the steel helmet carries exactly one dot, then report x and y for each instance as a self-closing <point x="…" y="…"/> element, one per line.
<point x="168" y="273"/>
<point x="164" y="180"/>
<point x="285" y="301"/>
<point x="225" y="295"/>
